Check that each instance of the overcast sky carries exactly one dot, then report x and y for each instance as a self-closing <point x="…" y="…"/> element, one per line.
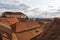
<point x="32" y="8"/>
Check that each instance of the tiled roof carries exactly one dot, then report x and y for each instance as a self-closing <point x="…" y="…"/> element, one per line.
<point x="5" y="23"/>
<point x="11" y="20"/>
<point x="13" y="13"/>
<point x="22" y="26"/>
<point x="29" y="34"/>
<point x="51" y="32"/>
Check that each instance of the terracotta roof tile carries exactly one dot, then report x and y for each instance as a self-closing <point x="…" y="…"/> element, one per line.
<point x="11" y="20"/>
<point x="5" y="23"/>
<point x="29" y="34"/>
<point x="21" y="26"/>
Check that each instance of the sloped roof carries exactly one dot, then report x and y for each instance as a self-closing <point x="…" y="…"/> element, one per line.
<point x="27" y="25"/>
<point x="29" y="34"/>
<point x="11" y="20"/>
<point x="52" y="32"/>
<point x="13" y="13"/>
<point x="5" y="23"/>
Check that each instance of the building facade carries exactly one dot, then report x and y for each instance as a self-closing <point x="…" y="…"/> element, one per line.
<point x="14" y="14"/>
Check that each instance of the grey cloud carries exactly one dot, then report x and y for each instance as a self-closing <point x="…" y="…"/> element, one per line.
<point x="16" y="1"/>
<point x="35" y="10"/>
<point x="22" y="7"/>
<point x="51" y="6"/>
<point x="7" y="6"/>
<point x="50" y="14"/>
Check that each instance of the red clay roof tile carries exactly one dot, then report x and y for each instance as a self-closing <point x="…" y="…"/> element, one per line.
<point x="11" y="20"/>
<point x="21" y="26"/>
